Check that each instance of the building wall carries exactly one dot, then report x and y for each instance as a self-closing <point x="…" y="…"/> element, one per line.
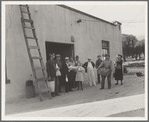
<point x="53" y="24"/>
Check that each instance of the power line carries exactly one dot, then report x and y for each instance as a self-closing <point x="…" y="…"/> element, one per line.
<point x="134" y="22"/>
<point x="126" y="21"/>
<point x="135" y="17"/>
<point x="130" y="20"/>
<point x="134" y="27"/>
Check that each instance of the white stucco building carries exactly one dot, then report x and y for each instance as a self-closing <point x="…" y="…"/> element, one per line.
<point x="59" y="29"/>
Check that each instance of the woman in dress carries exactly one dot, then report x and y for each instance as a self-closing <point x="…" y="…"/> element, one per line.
<point x="79" y="76"/>
<point x="79" y="73"/>
<point x="119" y="70"/>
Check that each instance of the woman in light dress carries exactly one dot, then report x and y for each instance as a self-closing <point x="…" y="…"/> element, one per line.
<point x="79" y="74"/>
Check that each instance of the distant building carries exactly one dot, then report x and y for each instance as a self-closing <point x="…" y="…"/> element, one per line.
<point x="60" y="29"/>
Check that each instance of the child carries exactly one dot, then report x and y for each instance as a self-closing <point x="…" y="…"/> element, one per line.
<point x="79" y="76"/>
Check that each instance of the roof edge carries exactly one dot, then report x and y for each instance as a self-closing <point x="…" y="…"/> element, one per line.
<point x="67" y="7"/>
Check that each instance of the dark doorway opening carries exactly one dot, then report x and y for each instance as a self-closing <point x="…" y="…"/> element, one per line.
<point x="65" y="50"/>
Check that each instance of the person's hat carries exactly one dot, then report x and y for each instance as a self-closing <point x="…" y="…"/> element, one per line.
<point x="107" y="55"/>
<point x="89" y="58"/>
<point x="57" y="55"/>
<point x="99" y="56"/>
<point x="66" y="58"/>
<point x="119" y="55"/>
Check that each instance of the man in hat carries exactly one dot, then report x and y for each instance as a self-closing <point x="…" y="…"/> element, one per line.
<point x="51" y="70"/>
<point x="98" y="62"/>
<point x="89" y="69"/>
<point x="58" y="74"/>
<point x="107" y="65"/>
<point x="66" y="71"/>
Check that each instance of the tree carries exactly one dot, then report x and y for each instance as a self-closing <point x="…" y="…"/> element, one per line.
<point x="139" y="48"/>
<point x="128" y="45"/>
<point x="143" y="46"/>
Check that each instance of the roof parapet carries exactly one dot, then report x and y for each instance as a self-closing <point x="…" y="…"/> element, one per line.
<point x="78" y="11"/>
<point x="116" y="22"/>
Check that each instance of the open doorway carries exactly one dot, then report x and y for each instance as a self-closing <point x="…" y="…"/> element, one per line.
<point x="64" y="49"/>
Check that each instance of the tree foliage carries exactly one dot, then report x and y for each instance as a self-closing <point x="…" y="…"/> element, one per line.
<point x="139" y="48"/>
<point x="131" y="46"/>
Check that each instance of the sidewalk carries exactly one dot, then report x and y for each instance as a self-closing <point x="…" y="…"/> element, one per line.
<point x="88" y="96"/>
<point x="94" y="109"/>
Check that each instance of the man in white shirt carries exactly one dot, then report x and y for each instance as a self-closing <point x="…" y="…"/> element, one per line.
<point x="89" y="69"/>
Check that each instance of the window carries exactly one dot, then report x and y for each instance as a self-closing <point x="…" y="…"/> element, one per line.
<point x="105" y="48"/>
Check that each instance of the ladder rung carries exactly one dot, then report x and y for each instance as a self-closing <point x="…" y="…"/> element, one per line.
<point x="25" y="12"/>
<point x="38" y="68"/>
<point x="33" y="47"/>
<point x="44" y="90"/>
<point x="29" y="27"/>
<point x="31" y="38"/>
<point x="27" y="20"/>
<point x="41" y="79"/>
<point x="36" y="58"/>
<point x="24" y="6"/>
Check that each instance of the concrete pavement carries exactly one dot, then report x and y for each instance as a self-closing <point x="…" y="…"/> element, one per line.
<point x="94" y="109"/>
<point x="119" y="100"/>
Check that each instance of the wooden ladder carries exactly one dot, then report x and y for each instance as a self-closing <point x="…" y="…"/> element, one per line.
<point x="28" y="26"/>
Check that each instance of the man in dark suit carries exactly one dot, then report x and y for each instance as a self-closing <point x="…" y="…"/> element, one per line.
<point x="58" y="75"/>
<point x="98" y="62"/>
<point x="66" y="71"/>
<point x="51" y="70"/>
<point x="59" y="63"/>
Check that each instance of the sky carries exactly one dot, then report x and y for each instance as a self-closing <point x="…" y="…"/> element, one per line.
<point x="132" y="15"/>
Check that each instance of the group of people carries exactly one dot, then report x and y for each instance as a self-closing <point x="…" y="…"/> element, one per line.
<point x="71" y="72"/>
<point x="66" y="73"/>
<point x="105" y="68"/>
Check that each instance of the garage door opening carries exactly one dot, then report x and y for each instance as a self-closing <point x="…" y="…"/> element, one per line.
<point x="65" y="50"/>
